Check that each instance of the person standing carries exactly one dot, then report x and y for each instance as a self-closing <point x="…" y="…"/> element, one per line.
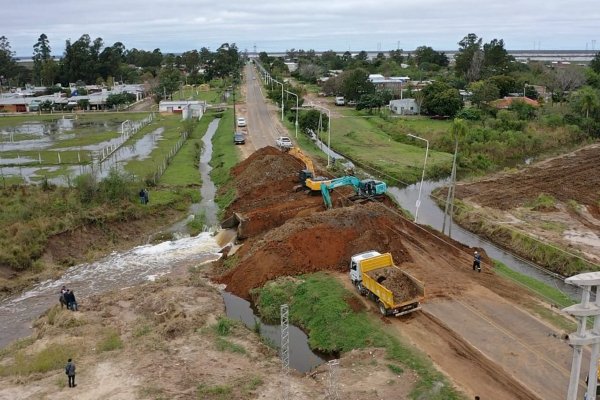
<point x="142" y="195"/>
<point x="146" y="196"/>
<point x="477" y="261"/>
<point x="71" y="302"/>
<point x="70" y="371"/>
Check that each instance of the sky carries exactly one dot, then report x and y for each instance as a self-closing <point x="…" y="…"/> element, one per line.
<point x="175" y="26"/>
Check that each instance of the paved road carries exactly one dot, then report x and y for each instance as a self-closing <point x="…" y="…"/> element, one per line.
<point x="263" y="125"/>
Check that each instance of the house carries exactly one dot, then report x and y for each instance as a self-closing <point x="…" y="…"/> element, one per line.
<point x="404" y="107"/>
<point x="507" y="101"/>
<point x="187" y="108"/>
<point x="394" y="84"/>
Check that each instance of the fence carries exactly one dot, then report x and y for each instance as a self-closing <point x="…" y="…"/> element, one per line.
<point x="160" y="170"/>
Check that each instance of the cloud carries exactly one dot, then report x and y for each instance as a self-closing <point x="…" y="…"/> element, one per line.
<point x="179" y="25"/>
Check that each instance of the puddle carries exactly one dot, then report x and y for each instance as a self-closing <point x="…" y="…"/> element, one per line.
<point x="302" y="358"/>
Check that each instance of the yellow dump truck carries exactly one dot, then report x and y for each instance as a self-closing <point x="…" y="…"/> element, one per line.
<point x="395" y="291"/>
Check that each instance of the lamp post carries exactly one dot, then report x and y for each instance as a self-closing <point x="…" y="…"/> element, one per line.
<point x="280" y="83"/>
<point x="422" y="174"/>
<point x="328" y="128"/>
<point x="294" y="94"/>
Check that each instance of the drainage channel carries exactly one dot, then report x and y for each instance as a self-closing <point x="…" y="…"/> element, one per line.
<point x="302" y="358"/>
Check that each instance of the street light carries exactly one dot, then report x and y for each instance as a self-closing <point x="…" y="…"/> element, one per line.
<point x="422" y="175"/>
<point x="294" y="94"/>
<point x="328" y="129"/>
<point x="276" y="81"/>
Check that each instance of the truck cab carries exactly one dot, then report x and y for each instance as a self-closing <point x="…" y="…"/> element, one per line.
<point x="355" y="272"/>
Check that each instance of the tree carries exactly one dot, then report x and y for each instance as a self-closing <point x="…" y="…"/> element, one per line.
<point x="483" y="92"/>
<point x="468" y="46"/>
<point x="169" y="81"/>
<point x="425" y="54"/>
<point x="506" y="84"/>
<point x="496" y="59"/>
<point x="41" y="57"/>
<point x="441" y="99"/>
<point x="396" y="56"/>
<point x="191" y="61"/>
<point x="8" y="65"/>
<point x="370" y="101"/>
<point x="310" y="120"/>
<point x="356" y="83"/>
<point x="226" y="62"/>
<point x="309" y="72"/>
<point x="595" y="63"/>
<point x="585" y="101"/>
<point x="474" y="72"/>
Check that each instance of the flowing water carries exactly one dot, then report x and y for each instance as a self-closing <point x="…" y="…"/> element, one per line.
<point x="116" y="271"/>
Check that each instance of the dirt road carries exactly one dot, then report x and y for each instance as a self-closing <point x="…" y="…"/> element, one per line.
<point x="473" y="325"/>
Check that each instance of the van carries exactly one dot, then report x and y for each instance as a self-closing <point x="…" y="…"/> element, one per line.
<point x="339" y="101"/>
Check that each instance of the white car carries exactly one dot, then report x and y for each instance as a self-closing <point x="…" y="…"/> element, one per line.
<point x="284" y="142"/>
<point x="241" y="122"/>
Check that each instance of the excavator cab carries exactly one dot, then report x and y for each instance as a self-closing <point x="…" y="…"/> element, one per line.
<point x="303" y="175"/>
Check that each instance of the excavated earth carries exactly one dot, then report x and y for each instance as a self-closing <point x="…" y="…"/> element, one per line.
<point x="571" y="220"/>
<point x="461" y="327"/>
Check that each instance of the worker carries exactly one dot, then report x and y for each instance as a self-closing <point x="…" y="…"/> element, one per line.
<point x="477" y="261"/>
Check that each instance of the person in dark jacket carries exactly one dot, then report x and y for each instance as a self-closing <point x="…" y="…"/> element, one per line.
<point x="146" y="196"/>
<point x="70" y="371"/>
<point x="477" y="261"/>
<point x="71" y="302"/>
<point x="142" y="195"/>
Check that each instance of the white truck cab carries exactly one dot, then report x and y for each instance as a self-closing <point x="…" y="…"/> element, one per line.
<point x="355" y="275"/>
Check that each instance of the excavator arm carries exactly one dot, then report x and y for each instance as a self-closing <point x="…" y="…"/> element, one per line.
<point x="343" y="181"/>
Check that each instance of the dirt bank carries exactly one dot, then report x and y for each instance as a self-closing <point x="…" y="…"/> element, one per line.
<point x="309" y="239"/>
<point x="556" y="201"/>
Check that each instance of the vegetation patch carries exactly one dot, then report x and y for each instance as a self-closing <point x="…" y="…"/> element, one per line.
<point x="53" y="357"/>
<point x="110" y="341"/>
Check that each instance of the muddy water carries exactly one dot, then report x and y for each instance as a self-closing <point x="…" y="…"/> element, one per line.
<point x="208" y="190"/>
<point x="117" y="271"/>
<point x="301" y="356"/>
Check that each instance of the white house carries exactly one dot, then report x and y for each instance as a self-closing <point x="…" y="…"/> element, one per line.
<point x="187" y="108"/>
<point x="404" y="107"/>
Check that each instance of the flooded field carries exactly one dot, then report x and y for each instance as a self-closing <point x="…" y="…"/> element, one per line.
<point x="59" y="149"/>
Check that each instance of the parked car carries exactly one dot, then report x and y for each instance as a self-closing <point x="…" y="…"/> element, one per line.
<point x="339" y="101"/>
<point x="241" y="122"/>
<point x="239" y="138"/>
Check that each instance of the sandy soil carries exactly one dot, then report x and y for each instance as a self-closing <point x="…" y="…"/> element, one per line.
<point x="171" y="350"/>
<point x="573" y="223"/>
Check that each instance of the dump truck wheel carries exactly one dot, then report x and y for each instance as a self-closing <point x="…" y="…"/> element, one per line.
<point x="382" y="309"/>
<point x="360" y="289"/>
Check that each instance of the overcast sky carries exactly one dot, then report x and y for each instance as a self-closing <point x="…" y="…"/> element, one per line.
<point x="277" y="25"/>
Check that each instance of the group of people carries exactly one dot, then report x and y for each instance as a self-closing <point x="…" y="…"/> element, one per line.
<point x="144" y="197"/>
<point x="67" y="298"/>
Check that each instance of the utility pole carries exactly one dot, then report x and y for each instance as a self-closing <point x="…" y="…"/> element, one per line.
<point x="285" y="351"/>
<point x="450" y="195"/>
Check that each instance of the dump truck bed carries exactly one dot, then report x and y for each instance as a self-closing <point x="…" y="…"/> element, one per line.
<point x="394" y="287"/>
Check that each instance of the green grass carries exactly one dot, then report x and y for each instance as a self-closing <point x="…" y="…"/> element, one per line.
<point x="53" y="357"/>
<point x="218" y="392"/>
<point x="183" y="169"/>
<point x="224" y="326"/>
<point x="110" y="341"/>
<point x="228" y="346"/>
<point x="317" y="305"/>
<point x="542" y="202"/>
<point x="545" y="292"/>
<point x="225" y="154"/>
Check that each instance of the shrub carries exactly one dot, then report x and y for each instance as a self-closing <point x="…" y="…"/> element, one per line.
<point x="111" y="341"/>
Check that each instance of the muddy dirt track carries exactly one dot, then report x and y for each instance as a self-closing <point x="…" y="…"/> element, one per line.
<point x="472" y="324"/>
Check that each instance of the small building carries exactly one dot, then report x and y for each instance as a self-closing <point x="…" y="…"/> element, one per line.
<point x="404" y="107"/>
<point x="187" y="108"/>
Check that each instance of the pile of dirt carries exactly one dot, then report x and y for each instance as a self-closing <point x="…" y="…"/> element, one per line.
<point x="266" y="196"/>
<point x="393" y="279"/>
<point x="285" y="233"/>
